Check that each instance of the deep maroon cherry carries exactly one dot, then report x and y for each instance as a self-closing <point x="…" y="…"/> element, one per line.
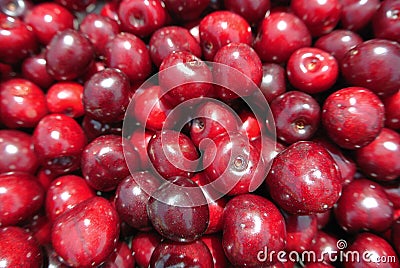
<point x="87" y="234"/>
<point x="19" y="248"/>
<point x="385" y="22"/>
<point x="46" y="19"/>
<point x="129" y="54"/>
<point x="21" y="197"/>
<point x="16" y="152"/>
<point x="22" y="103"/>
<point x="396" y="236"/>
<point x="69" y="55"/>
<point x="364" y="205"/>
<point x="122" y="257"/>
<point x="353" y="117"/>
<point x="178" y="210"/>
<point x="304" y="179"/>
<point x="273" y="82"/>
<point x="59" y="142"/>
<point x="185" y="10"/>
<point x="251" y="220"/>
<point x="76" y="5"/>
<point x="143" y="245"/>
<point x="252" y="11"/>
<point x="392" y="111"/>
<point x="34" y="69"/>
<point x="65" y="98"/>
<point x="214" y="244"/>
<point x="175" y="254"/>
<point x="220" y="28"/>
<point x="323" y="218"/>
<point x="373" y="64"/>
<point x="94" y="128"/>
<point x="301" y="230"/>
<point x="279" y="35"/>
<point x="64" y="193"/>
<point x="380" y="159"/>
<point x="356" y="14"/>
<point x="324" y="245"/>
<point x="296" y="115"/>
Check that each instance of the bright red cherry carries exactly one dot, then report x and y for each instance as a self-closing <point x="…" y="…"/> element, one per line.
<point x="65" y="98"/>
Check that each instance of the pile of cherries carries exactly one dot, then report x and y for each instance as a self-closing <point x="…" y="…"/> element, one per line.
<point x="288" y="139"/>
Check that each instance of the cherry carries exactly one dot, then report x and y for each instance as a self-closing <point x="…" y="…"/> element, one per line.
<point x="19" y="248"/>
<point x="34" y="69"/>
<point x="184" y="10"/>
<point x="312" y="70"/>
<point x="392" y="113"/>
<point x="396" y="236"/>
<point x="279" y="35"/>
<point x="64" y="193"/>
<point x="304" y="179"/>
<point x="87" y="234"/>
<point x="250" y="125"/>
<point x="323" y="245"/>
<point x="214" y="244"/>
<point x="45" y="176"/>
<point x="40" y="228"/>
<point x="176" y="254"/>
<point x="65" y="98"/>
<point x="356" y="14"/>
<point x="94" y="128"/>
<point x="373" y="64"/>
<point x="22" y="103"/>
<point x="301" y="230"/>
<point x="323" y="218"/>
<point x="69" y="55"/>
<point x="364" y="205"/>
<point x="220" y="28"/>
<point x="76" y="5"/>
<point x="251" y="220"/>
<point x="129" y="54"/>
<point x="296" y="116"/>
<point x="106" y="95"/>
<point x="353" y="117"/>
<point x="392" y="191"/>
<point x="59" y="142"/>
<point x="177" y="214"/>
<point x="385" y="21"/>
<point x="16" y="152"/>
<point x="380" y="159"/>
<point x="122" y="257"/>
<point x="140" y="141"/>
<point x="273" y="82"/>
<point x="252" y="11"/>
<point x="47" y="19"/>
<point x="21" y="197"/>
<point x="143" y="245"/>
<point x="110" y="10"/>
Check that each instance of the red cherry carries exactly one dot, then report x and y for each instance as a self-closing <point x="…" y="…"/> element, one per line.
<point x="94" y="128"/>
<point x="185" y="10"/>
<point x="301" y="230"/>
<point x="214" y="244"/>
<point x="34" y="69"/>
<point x="273" y="82"/>
<point x="76" y="5"/>
<point x="324" y="245"/>
<point x="392" y="113"/>
<point x="356" y="14"/>
<point x="65" y="98"/>
<point x="385" y="21"/>
<point x="122" y="257"/>
<point x="143" y="245"/>
<point x="252" y="11"/>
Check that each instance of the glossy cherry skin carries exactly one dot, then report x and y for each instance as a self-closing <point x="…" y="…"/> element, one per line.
<point x="274" y="43"/>
<point x="94" y="128"/>
<point x="21" y="197"/>
<point x="110" y="10"/>
<point x="64" y="193"/>
<point x="129" y="54"/>
<point x="356" y="14"/>
<point x="47" y="19"/>
<point x="252" y="11"/>
<point x="22" y="103"/>
<point x="185" y="217"/>
<point x="324" y="245"/>
<point x="373" y="64"/>
<point x="396" y="236"/>
<point x="375" y="249"/>
<point x="353" y="117"/>
<point x="76" y="5"/>
<point x="321" y="17"/>
<point x="19" y="248"/>
<point x="65" y="98"/>
<point x="364" y="205"/>
<point x="40" y="227"/>
<point x="392" y="113"/>
<point x="143" y="245"/>
<point x="16" y="152"/>
<point x="34" y="69"/>
<point x="59" y="142"/>
<point x="296" y="116"/>
<point x="273" y="82"/>
<point x="87" y="234"/>
<point x="185" y="10"/>
<point x="214" y="244"/>
<point x="122" y="257"/>
<point x="103" y="162"/>
<point x="139" y="142"/>
<point x="17" y="40"/>
<point x="220" y="28"/>
<point x="338" y="42"/>
<point x="99" y="30"/>
<point x="392" y="190"/>
<point x="385" y="21"/>
<point x="304" y="179"/>
<point x="312" y="70"/>
<point x="251" y="223"/>
<point x="106" y="95"/>
<point x="380" y="160"/>
<point x="250" y="125"/>
<point x="170" y="254"/>
<point x="301" y="230"/>
<point x="69" y="55"/>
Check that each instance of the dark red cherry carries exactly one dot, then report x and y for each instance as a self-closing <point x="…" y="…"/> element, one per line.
<point x="220" y="28"/>
<point x="251" y="220"/>
<point x="373" y="64"/>
<point x="252" y="11"/>
<point x="323" y="218"/>
<point x="304" y="179"/>
<point x="22" y="103"/>
<point x="143" y="245"/>
<point x="250" y="125"/>
<point x="21" y="196"/>
<point x="87" y="234"/>
<point x="214" y="244"/>
<point x="273" y="82"/>
<point x="65" y="98"/>
<point x="16" y="152"/>
<point x="279" y="35"/>
<point x="385" y="22"/>
<point x="325" y="247"/>
<point x="186" y="10"/>
<point x="122" y="257"/>
<point x="45" y="176"/>
<point x="364" y="205"/>
<point x="64" y="193"/>
<point x="380" y="160"/>
<point x="129" y="54"/>
<point x="396" y="236"/>
<point x="69" y="55"/>
<point x="40" y="227"/>
<point x="392" y="190"/>
<point x="76" y="5"/>
<point x="19" y="248"/>
<point x="34" y="69"/>
<point x="140" y="141"/>
<point x="47" y="19"/>
<point x="296" y="116"/>
<point x="312" y="70"/>
<point x="59" y="142"/>
<point x="392" y="111"/>
<point x="94" y="128"/>
<point x="178" y="210"/>
<point x="301" y="230"/>
<point x="353" y="117"/>
<point x="357" y="14"/>
<point x="176" y="254"/>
